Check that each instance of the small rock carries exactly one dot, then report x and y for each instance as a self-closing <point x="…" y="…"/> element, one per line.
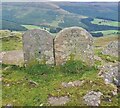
<point x="54" y="101"/>
<point x="8" y="67"/>
<point x="33" y="83"/>
<point x="8" y="106"/>
<point x="97" y="58"/>
<point x="107" y="99"/>
<point x="0" y="79"/>
<point x="92" y="98"/>
<point x="64" y="84"/>
<point x="115" y="92"/>
<point x="8" y="85"/>
<point x="72" y="84"/>
<point x="110" y="74"/>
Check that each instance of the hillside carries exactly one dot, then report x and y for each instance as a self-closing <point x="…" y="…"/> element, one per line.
<point x="101" y="10"/>
<point x="53" y="65"/>
<point x="45" y="85"/>
<point x="51" y="15"/>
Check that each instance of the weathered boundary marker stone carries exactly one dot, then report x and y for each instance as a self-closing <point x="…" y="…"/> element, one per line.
<point x="74" y="41"/>
<point x="39" y="45"/>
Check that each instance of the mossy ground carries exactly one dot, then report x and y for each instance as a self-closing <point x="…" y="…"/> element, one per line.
<point x="19" y="92"/>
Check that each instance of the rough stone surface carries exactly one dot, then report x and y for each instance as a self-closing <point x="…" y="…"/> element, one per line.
<point x="111" y="73"/>
<point x="38" y="46"/>
<point x="112" y="49"/>
<point x="74" y="41"/>
<point x="55" y="101"/>
<point x="72" y="84"/>
<point x="14" y="57"/>
<point x="1" y="56"/>
<point x="92" y="98"/>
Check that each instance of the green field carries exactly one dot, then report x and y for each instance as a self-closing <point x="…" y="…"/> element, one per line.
<point x="29" y="27"/>
<point x="108" y="32"/>
<point x="105" y="22"/>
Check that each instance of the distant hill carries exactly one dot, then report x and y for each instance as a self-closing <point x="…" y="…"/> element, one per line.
<point x="104" y="10"/>
<point x="18" y="16"/>
<point x="12" y="26"/>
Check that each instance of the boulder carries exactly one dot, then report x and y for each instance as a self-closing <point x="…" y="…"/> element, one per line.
<point x="112" y="49"/>
<point x="14" y="57"/>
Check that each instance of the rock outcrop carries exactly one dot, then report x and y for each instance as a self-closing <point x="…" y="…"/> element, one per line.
<point x="92" y="98"/>
<point x="112" y="49"/>
<point x="110" y="73"/>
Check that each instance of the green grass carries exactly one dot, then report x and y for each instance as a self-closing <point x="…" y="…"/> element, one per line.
<point x="12" y="43"/>
<point x="108" y="32"/>
<point x="29" y="27"/>
<point x="49" y="78"/>
<point x="105" y="22"/>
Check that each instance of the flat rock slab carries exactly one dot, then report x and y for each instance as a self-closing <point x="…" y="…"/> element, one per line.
<point x="12" y="57"/>
<point x="56" y="101"/>
<point x="92" y="98"/>
<point x="76" y="42"/>
<point x="38" y="46"/>
<point x="76" y="83"/>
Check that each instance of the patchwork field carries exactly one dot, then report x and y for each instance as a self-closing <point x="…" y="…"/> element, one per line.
<point x="29" y="27"/>
<point x="105" y="22"/>
<point x="108" y="32"/>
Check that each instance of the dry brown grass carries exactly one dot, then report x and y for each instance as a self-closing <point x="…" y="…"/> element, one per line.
<point x="103" y="41"/>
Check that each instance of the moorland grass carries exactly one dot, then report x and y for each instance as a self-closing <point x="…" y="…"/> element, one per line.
<point x="18" y="91"/>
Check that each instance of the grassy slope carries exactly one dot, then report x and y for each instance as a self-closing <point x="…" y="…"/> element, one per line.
<point x="29" y="27"/>
<point x="103" y="41"/>
<point x="93" y="9"/>
<point x="18" y="92"/>
<point x="16" y="87"/>
<point x="47" y="14"/>
<point x="10" y="40"/>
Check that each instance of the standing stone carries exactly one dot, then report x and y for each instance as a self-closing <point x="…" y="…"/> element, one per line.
<point x="38" y="47"/>
<point x="74" y="41"/>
